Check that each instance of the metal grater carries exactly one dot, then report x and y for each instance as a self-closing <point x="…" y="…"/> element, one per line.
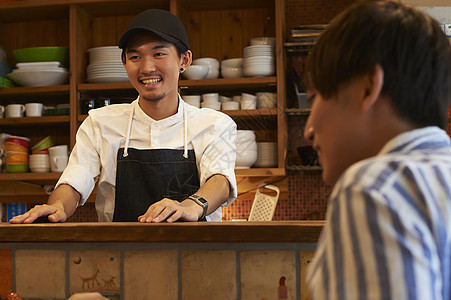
<point x="264" y="205"/>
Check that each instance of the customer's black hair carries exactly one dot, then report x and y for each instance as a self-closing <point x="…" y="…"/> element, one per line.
<point x="409" y="45"/>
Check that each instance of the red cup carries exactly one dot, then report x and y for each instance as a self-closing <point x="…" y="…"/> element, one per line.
<point x="22" y="141"/>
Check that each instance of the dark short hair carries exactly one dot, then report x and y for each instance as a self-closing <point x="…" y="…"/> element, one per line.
<point x="407" y="43"/>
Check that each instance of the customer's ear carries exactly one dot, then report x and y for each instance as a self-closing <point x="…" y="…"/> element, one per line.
<point x="374" y="82"/>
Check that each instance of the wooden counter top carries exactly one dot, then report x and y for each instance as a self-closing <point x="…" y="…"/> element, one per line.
<point x="275" y="231"/>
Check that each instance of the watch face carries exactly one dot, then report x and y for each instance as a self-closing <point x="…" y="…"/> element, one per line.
<point x="199" y="200"/>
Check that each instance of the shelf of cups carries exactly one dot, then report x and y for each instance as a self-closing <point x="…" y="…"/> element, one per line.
<point x="25" y="121"/>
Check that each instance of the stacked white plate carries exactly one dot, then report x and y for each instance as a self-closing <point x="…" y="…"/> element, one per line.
<point x="39" y="73"/>
<point x="266" y="155"/>
<point x="105" y="65"/>
<point x="258" y="60"/>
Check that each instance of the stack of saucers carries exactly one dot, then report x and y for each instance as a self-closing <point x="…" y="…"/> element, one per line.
<point x="258" y="60"/>
<point x="266" y="155"/>
<point x="105" y="65"/>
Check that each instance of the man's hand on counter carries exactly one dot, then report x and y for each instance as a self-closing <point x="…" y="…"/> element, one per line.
<point x="53" y="213"/>
<point x="171" y="211"/>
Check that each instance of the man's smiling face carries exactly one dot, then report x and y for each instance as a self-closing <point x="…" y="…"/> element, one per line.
<point x="153" y="66"/>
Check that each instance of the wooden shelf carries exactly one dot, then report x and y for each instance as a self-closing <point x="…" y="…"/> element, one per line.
<point x="198" y="85"/>
<point x="47" y="120"/>
<point x="303" y="168"/>
<point x="259" y="172"/>
<point x="252" y="172"/>
<point x="29" y="176"/>
<point x="298" y="111"/>
<point x="222" y="84"/>
<point x="22" y="90"/>
<point x="105" y="86"/>
<point x="268" y="112"/>
<point x="199" y="5"/>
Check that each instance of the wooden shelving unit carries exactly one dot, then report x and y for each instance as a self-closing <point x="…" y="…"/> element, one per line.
<point x="84" y="24"/>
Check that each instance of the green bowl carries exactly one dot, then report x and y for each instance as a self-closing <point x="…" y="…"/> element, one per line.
<point x="39" y="54"/>
<point x="42" y="144"/>
<point x="16" y="168"/>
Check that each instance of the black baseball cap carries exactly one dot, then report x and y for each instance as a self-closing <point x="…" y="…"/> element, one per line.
<point x="161" y="22"/>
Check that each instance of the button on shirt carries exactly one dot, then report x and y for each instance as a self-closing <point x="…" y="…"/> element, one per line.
<point x="388" y="229"/>
<point x="211" y="134"/>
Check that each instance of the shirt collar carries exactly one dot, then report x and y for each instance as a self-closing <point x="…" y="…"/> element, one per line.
<point x="141" y="116"/>
<point x="417" y="138"/>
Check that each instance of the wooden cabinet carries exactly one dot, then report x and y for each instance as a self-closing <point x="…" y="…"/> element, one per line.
<point x="219" y="29"/>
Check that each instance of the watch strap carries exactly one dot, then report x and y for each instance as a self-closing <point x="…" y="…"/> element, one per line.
<point x="202" y="202"/>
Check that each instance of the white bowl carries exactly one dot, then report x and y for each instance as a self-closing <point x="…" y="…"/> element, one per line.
<point x="248" y="104"/>
<point x="247" y="146"/>
<point x="230" y="105"/>
<point x="191" y="97"/>
<point x="45" y="65"/>
<point x="212" y="105"/>
<point x="207" y="61"/>
<point x="223" y="99"/>
<point x="245" y="159"/>
<point x="210" y="97"/>
<point x="248" y="97"/>
<point x="245" y="136"/>
<point x="266" y="100"/>
<point x="232" y="63"/>
<point x="40" y="170"/>
<point x="37" y="77"/>
<point x="193" y="100"/>
<point x="195" y="72"/>
<point x="212" y="73"/>
<point x="230" y="72"/>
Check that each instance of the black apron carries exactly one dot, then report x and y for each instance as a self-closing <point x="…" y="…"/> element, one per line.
<point x="147" y="176"/>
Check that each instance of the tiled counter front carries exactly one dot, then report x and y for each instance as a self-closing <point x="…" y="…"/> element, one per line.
<point x="158" y="261"/>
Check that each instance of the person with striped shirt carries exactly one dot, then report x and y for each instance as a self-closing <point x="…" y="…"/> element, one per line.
<point x="379" y="80"/>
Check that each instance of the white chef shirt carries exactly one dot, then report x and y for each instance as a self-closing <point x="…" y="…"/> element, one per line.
<point x="211" y="134"/>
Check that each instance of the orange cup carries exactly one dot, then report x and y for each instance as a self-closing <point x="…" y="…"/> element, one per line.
<point x="16" y="158"/>
<point x="12" y="147"/>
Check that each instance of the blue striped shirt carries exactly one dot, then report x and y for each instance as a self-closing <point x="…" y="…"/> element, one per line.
<point x="388" y="229"/>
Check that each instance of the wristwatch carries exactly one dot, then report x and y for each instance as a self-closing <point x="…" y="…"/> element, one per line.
<point x="202" y="202"/>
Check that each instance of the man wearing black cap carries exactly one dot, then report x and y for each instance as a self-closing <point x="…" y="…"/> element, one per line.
<point x="158" y="158"/>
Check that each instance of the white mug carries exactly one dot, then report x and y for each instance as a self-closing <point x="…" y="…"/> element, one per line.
<point x="58" y="163"/>
<point x="58" y="158"/>
<point x="2" y="111"/>
<point x="34" y="109"/>
<point x="15" y="110"/>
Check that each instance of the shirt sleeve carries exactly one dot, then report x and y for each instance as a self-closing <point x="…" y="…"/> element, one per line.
<point x="83" y="167"/>
<point x="370" y="249"/>
<point x="220" y="154"/>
